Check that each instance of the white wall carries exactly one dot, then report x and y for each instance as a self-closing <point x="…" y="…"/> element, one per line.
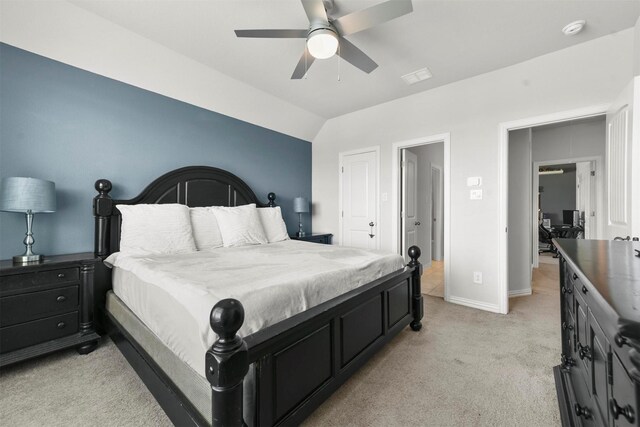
<point x="471" y="110"/>
<point x="66" y="33"/>
<point x="636" y="51"/>
<point x="519" y="212"/>
<point x="585" y="138"/>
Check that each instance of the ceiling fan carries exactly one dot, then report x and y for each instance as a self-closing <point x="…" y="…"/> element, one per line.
<point x="325" y="34"/>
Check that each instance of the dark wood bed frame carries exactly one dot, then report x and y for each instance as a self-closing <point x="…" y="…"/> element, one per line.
<point x="299" y="361"/>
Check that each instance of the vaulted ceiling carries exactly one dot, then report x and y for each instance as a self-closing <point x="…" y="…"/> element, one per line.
<point x="455" y="39"/>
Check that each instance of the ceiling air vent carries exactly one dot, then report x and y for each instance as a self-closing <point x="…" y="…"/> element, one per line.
<point x="417" y="76"/>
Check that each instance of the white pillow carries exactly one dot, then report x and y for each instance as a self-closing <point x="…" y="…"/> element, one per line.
<point x="155" y="229"/>
<point x="206" y="232"/>
<point x="275" y="229"/>
<point x="240" y="225"/>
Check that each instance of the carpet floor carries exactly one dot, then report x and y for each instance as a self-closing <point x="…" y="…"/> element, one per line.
<point x="465" y="368"/>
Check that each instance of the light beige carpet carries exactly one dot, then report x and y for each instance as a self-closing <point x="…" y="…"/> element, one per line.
<point x="465" y="368"/>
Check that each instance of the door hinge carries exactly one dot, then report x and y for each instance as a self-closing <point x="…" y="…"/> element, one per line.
<point x="342" y="214"/>
<point x="506" y="229"/>
<point x="593" y="173"/>
<point x="403" y="164"/>
<point x="610" y="367"/>
<point x="342" y="169"/>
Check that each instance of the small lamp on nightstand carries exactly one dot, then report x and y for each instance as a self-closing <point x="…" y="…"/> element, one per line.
<point x="30" y="196"/>
<point x="300" y="206"/>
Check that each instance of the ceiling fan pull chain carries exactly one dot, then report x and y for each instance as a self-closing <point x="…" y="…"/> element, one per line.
<point x="306" y="52"/>
<point x="339" y="62"/>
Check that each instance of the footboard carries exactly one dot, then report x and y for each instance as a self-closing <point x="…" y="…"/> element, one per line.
<point x="301" y="361"/>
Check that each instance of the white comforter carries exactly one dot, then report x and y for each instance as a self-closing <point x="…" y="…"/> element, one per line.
<point x="273" y="282"/>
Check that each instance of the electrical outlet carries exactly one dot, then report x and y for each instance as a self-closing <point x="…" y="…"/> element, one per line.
<point x="385" y="197"/>
<point x="477" y="277"/>
<point x="475" y="194"/>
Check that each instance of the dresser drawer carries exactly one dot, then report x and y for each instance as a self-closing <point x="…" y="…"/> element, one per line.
<point x="37" y="305"/>
<point x="38" y="331"/>
<point x="622" y="404"/>
<point x="18" y="282"/>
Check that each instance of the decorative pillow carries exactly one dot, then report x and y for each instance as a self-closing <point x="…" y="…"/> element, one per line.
<point x="155" y="229"/>
<point x="206" y="232"/>
<point x="240" y="225"/>
<point x="275" y="229"/>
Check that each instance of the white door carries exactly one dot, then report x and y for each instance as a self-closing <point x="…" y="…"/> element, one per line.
<point x="622" y="146"/>
<point x="437" y="214"/>
<point x="409" y="216"/>
<point x="359" y="200"/>
<point x="585" y="203"/>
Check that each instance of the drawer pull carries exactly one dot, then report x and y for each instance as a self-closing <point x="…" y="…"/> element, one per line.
<point x="567" y="361"/>
<point x="616" y="410"/>
<point x="61" y="325"/>
<point x="567" y="290"/>
<point x="60" y="275"/>
<point x="582" y="411"/>
<point x="61" y="298"/>
<point x="566" y="326"/>
<point x="620" y="340"/>
<point x="584" y="289"/>
<point x="584" y="352"/>
<point x="575" y="276"/>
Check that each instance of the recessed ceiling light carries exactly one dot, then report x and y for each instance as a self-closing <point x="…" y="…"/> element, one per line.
<point x="417" y="76"/>
<point x="574" y="28"/>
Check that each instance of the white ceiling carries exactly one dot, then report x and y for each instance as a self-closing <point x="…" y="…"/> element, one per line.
<point x="455" y="39"/>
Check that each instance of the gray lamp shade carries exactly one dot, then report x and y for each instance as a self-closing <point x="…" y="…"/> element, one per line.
<point x="300" y="205"/>
<point x="19" y="194"/>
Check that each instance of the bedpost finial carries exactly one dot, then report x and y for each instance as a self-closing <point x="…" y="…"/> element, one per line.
<point x="226" y="319"/>
<point x="103" y="186"/>
<point x="272" y="199"/>
<point x="414" y="253"/>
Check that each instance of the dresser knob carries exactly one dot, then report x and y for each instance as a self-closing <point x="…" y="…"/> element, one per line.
<point x="575" y="276"/>
<point x="584" y="352"/>
<point x="60" y="275"/>
<point x="620" y="340"/>
<point x="584" y="289"/>
<point x="61" y="298"/>
<point x="567" y="290"/>
<point x="61" y="325"/>
<point x="616" y="410"/>
<point x="566" y="325"/>
<point x="582" y="411"/>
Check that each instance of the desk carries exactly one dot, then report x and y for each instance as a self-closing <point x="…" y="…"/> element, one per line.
<point x="566" y="231"/>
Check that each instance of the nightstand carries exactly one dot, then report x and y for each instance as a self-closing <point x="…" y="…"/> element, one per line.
<point x="46" y="306"/>
<point x="324" y="238"/>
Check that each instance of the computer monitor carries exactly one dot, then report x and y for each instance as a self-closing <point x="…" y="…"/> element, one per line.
<point x="571" y="217"/>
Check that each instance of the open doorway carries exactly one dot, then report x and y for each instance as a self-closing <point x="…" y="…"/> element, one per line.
<point x="421" y="170"/>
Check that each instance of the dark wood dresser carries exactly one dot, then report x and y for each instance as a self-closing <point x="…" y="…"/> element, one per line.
<point x="46" y="306"/>
<point x="598" y="380"/>
<point x="323" y="238"/>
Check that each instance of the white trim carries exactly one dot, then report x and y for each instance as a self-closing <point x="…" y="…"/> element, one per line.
<point x="441" y="205"/>
<point x="599" y="202"/>
<point x="520" y="293"/>
<point x="503" y="177"/>
<point x="475" y="304"/>
<point x="375" y="149"/>
<point x="395" y="197"/>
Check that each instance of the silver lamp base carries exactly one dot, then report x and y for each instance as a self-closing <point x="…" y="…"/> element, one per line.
<point x="23" y="259"/>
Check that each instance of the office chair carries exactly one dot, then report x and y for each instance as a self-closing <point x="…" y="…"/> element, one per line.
<point x="545" y="237"/>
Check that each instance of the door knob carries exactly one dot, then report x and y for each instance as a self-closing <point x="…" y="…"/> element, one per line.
<point x="417" y="223"/>
<point x="371" y="224"/>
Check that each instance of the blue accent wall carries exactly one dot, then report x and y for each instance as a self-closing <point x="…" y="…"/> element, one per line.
<point x="73" y="127"/>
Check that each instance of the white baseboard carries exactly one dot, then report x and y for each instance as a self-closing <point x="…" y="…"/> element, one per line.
<point x="519" y="292"/>
<point x="475" y="304"/>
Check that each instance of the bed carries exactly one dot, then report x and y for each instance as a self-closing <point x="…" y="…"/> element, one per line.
<point x="283" y="367"/>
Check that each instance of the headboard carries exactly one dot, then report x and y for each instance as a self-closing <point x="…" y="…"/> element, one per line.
<point x="192" y="186"/>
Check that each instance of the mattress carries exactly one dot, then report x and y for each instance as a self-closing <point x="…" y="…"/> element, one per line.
<point x="173" y="294"/>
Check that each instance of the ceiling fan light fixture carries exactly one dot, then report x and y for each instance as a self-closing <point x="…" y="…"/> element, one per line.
<point x="322" y="43"/>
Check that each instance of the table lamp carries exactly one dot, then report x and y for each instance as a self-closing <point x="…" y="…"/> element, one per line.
<point x="28" y="195"/>
<point x="300" y="206"/>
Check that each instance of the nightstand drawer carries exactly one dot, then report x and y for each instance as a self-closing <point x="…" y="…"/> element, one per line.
<point x="26" y="334"/>
<point x="36" y="305"/>
<point x="19" y="282"/>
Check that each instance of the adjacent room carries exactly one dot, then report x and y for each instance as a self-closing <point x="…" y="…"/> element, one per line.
<point x="319" y="212"/>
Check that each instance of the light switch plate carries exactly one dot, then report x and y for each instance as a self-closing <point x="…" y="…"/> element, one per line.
<point x="475" y="194"/>
<point x="477" y="277"/>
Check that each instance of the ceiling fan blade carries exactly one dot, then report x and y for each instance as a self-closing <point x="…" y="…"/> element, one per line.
<point x="372" y="16"/>
<point x="273" y="34"/>
<point x="350" y="53"/>
<point x="315" y="11"/>
<point x="303" y="65"/>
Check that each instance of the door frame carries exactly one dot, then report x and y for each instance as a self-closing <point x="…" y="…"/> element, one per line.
<point x="445" y="138"/>
<point x="503" y="180"/>
<point x="535" y="183"/>
<point x="440" y="204"/>
<point x="374" y="149"/>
